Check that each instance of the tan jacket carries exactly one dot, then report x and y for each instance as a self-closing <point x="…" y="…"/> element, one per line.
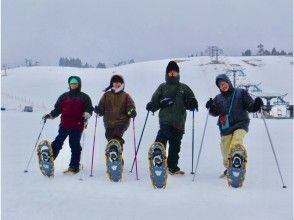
<point x="115" y="107"/>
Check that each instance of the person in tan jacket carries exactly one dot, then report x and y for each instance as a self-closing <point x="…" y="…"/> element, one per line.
<point x="117" y="107"/>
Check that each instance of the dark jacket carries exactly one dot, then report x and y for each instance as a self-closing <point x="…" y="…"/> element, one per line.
<point x="115" y="107"/>
<point x="71" y="105"/>
<point x="174" y="115"/>
<point x="242" y="104"/>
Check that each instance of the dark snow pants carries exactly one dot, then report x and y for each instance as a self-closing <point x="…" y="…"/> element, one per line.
<point x="116" y="133"/>
<point x="74" y="143"/>
<point x="174" y="137"/>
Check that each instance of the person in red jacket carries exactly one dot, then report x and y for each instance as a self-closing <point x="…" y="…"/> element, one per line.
<point x="75" y="108"/>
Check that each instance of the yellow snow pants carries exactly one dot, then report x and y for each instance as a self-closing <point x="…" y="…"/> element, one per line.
<point x="236" y="138"/>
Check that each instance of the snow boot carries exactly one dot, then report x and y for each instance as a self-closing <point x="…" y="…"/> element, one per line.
<point x="224" y="174"/>
<point x="175" y="171"/>
<point x="71" y="171"/>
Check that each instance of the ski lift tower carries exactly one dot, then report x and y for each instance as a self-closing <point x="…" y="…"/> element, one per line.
<point x="214" y="51"/>
<point x="235" y="72"/>
<point x="276" y="106"/>
<point x="251" y="87"/>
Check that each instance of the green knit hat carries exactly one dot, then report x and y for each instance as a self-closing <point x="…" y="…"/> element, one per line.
<point x="73" y="80"/>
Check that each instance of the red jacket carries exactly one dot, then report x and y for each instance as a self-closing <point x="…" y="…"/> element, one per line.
<point x="71" y="105"/>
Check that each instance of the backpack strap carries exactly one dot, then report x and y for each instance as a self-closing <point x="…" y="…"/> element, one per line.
<point x="232" y="102"/>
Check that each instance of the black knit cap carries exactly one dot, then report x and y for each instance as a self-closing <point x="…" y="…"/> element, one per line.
<point x="116" y="78"/>
<point x="172" y="65"/>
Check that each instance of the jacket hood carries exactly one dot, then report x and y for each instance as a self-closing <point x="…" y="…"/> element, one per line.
<point x="78" y="79"/>
<point x="224" y="77"/>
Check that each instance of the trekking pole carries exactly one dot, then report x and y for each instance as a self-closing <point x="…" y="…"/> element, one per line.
<point x="134" y="134"/>
<point x="200" y="149"/>
<point x="192" y="144"/>
<point x="93" y="145"/>
<point x="27" y="167"/>
<point x="271" y="143"/>
<point x="82" y="155"/>
<point x="136" y="152"/>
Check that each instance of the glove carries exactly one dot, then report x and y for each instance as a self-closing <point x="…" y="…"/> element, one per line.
<point x="98" y="110"/>
<point x="150" y="107"/>
<point x="132" y="113"/>
<point x="192" y="104"/>
<point x="209" y="103"/>
<point x="258" y="103"/>
<point x="165" y="102"/>
<point x="86" y="115"/>
<point x="46" y="116"/>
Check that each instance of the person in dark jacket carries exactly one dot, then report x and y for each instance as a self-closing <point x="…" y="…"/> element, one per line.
<point x="172" y="98"/>
<point x="232" y="106"/>
<point x="117" y="107"/>
<point x="75" y="108"/>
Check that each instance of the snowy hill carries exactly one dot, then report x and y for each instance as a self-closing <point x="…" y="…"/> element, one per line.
<point x="31" y="196"/>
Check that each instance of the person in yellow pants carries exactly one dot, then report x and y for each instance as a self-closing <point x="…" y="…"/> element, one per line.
<point x="229" y="141"/>
<point x="232" y="106"/>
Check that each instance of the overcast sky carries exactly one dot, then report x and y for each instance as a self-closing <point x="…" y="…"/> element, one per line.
<point x="110" y="31"/>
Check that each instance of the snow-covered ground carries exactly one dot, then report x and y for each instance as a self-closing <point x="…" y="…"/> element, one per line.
<point x="32" y="196"/>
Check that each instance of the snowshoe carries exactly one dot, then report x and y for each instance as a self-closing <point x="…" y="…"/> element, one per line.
<point x="45" y="158"/>
<point x="237" y="166"/>
<point x="114" y="160"/>
<point x="157" y="165"/>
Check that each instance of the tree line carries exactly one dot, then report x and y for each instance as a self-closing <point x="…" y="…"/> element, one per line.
<point x="261" y="51"/>
<point x="76" y="62"/>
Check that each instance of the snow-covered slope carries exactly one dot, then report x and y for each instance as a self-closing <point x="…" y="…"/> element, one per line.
<point x="31" y="196"/>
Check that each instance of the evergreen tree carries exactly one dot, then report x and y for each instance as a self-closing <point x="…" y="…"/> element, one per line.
<point x="267" y="53"/>
<point x="283" y="53"/>
<point x="260" y="51"/>
<point x="247" y="53"/>
<point x="86" y="65"/>
<point x="61" y="61"/>
<point x="101" y="65"/>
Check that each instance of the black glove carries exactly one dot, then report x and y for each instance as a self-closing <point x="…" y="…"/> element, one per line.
<point x="46" y="116"/>
<point x="192" y="104"/>
<point x="258" y="103"/>
<point x="150" y="107"/>
<point x="132" y="113"/>
<point x="98" y="110"/>
<point x="209" y="103"/>
<point x="165" y="102"/>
